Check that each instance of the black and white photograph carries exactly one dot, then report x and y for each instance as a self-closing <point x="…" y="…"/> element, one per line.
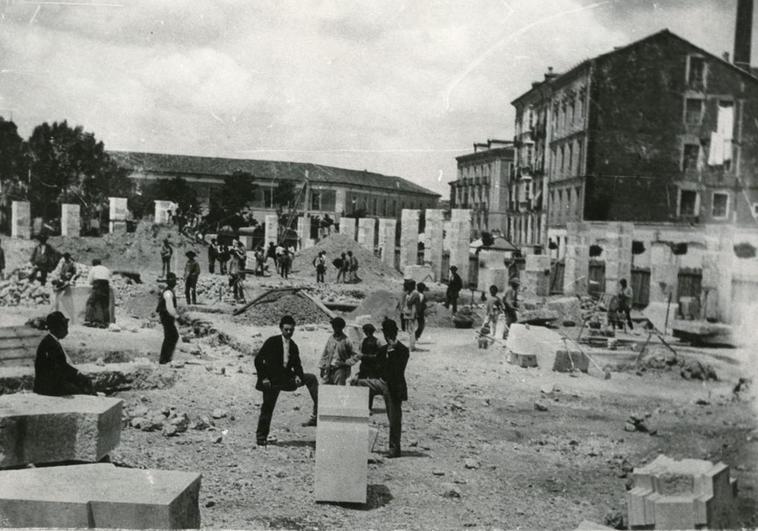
<point x="320" y="264"/>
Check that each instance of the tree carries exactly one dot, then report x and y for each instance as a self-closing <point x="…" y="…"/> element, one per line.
<point x="70" y="166"/>
<point x="178" y="191"/>
<point x="234" y="196"/>
<point x="284" y="194"/>
<point x="13" y="169"/>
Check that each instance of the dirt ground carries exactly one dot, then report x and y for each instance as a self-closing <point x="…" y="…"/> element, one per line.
<point x="476" y="451"/>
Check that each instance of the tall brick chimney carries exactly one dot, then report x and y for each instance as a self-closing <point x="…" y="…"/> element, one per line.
<point x="743" y="34"/>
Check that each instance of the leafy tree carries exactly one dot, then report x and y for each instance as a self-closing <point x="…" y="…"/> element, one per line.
<point x="180" y="192"/>
<point x="13" y="159"/>
<point x="284" y="194"/>
<point x="237" y="193"/>
<point x="70" y="165"/>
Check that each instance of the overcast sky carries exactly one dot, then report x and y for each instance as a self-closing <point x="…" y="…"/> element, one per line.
<point x="397" y="87"/>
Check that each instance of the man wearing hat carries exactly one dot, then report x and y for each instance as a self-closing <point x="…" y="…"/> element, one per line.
<point x="279" y="368"/>
<point x="167" y="251"/>
<point x="510" y="301"/>
<point x="191" y="274"/>
<point x="53" y="375"/>
<point x="338" y="356"/>
<point x="42" y="260"/>
<point x="392" y="359"/>
<point x="454" y="287"/>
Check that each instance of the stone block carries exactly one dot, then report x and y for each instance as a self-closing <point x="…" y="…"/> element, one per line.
<point x="367" y="232"/>
<point x="537" y="262"/>
<point x="522" y="360"/>
<point x="408" y="238"/>
<point x="492" y="277"/>
<point x="21" y="220"/>
<point x="635" y="504"/>
<point x="675" y="512"/>
<point x="45" y="429"/>
<point x="342" y="440"/>
<point x="419" y="273"/>
<point x="271" y="229"/>
<point x="71" y="220"/>
<point x="117" y="214"/>
<point x="435" y="240"/>
<point x="73" y="303"/>
<point x="348" y="227"/>
<point x="162" y="208"/>
<point x="571" y="360"/>
<point x="99" y="495"/>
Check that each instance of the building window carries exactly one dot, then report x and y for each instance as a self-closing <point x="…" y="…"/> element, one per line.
<point x="579" y="145"/>
<point x="688" y="203"/>
<point x="690" y="156"/>
<point x="696" y="72"/>
<point x="720" y="205"/>
<point x="570" y="160"/>
<point x="693" y="111"/>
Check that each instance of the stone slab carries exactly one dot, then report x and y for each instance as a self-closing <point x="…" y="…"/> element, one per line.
<point x="655" y="312"/>
<point x="367" y="232"/>
<point x="99" y="495"/>
<point x="535" y="340"/>
<point x="419" y="273"/>
<point x="46" y="429"/>
<point x="71" y="220"/>
<point x="522" y="360"/>
<point x="342" y="444"/>
<point x="571" y="360"/>
<point x="587" y="525"/>
<point x="271" y="230"/>
<point x="21" y="220"/>
<point x="348" y="227"/>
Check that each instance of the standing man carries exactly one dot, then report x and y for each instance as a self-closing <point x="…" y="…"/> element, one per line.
<point x="420" y="309"/>
<point x="320" y="264"/>
<point x="454" y="287"/>
<point x="213" y="253"/>
<point x="338" y="356"/>
<point x="285" y="263"/>
<point x="494" y="309"/>
<point x="393" y="358"/>
<point x="2" y="263"/>
<point x="98" y="308"/>
<point x="191" y="274"/>
<point x="167" y="312"/>
<point x="279" y="369"/>
<point x="352" y="261"/>
<point x="409" y="311"/>
<point x="626" y="295"/>
<point x="510" y="302"/>
<point x="42" y="259"/>
<point x="167" y="251"/>
<point x="53" y="375"/>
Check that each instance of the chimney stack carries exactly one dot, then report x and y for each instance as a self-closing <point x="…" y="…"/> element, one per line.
<point x="743" y="34"/>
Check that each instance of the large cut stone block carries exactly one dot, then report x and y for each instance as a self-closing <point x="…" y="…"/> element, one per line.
<point x="342" y="444"/>
<point x="409" y="220"/>
<point x="49" y="429"/>
<point x="70" y="220"/>
<point x="348" y="228"/>
<point x="99" y="495"/>
<point x="271" y="230"/>
<point x="21" y="220"/>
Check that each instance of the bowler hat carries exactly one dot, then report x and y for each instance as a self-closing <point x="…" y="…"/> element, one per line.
<point x="190" y="254"/>
<point x="390" y="326"/>
<point x="55" y="319"/>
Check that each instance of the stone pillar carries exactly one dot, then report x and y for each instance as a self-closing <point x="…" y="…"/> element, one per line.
<point x="618" y="255"/>
<point x="303" y="230"/>
<point x="117" y="214"/>
<point x="577" y="268"/>
<point x="339" y="202"/>
<point x="161" y="210"/>
<point x="719" y="262"/>
<point x="21" y="220"/>
<point x="342" y="440"/>
<point x="536" y="282"/>
<point x="664" y="271"/>
<point x="367" y="233"/>
<point x="71" y="221"/>
<point x="387" y="229"/>
<point x="408" y="238"/>
<point x="347" y="227"/>
<point x="434" y="236"/>
<point x="271" y="233"/>
<point x="460" y="239"/>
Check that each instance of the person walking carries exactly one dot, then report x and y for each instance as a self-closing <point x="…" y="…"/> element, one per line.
<point x="279" y="368"/>
<point x="167" y="252"/>
<point x="167" y="312"/>
<point x="191" y="274"/>
<point x="338" y="356"/>
<point x="420" y="310"/>
<point x="213" y="253"/>
<point x="98" y="307"/>
<point x="625" y="296"/>
<point x="320" y="264"/>
<point x="454" y="287"/>
<point x="510" y="304"/>
<point x="392" y="359"/>
<point x="53" y="376"/>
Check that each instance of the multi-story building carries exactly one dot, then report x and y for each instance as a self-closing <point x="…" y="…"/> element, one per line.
<point x="482" y="185"/>
<point x="656" y="131"/>
<point x="333" y="191"/>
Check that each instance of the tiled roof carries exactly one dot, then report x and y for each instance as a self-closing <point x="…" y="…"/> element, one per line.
<point x="273" y="170"/>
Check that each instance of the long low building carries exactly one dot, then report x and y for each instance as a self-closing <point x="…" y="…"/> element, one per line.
<point x="333" y="191"/>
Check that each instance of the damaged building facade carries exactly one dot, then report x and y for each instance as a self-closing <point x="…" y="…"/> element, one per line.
<point x="642" y="163"/>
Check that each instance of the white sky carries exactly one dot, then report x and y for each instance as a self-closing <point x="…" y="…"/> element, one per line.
<point x="397" y="87"/>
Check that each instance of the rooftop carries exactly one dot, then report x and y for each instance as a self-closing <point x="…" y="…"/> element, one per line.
<point x="273" y="170"/>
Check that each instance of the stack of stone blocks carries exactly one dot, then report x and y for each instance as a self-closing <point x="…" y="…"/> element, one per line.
<point x="21" y="220"/>
<point x="45" y="430"/>
<point x="575" y="277"/>
<point x="409" y="220"/>
<point x="117" y="214"/>
<point x="367" y="233"/>
<point x="387" y="230"/>
<point x="347" y="227"/>
<point x="271" y="231"/>
<point x="70" y="220"/>
<point x="433" y="245"/>
<point x="537" y="275"/>
<point x="686" y="494"/>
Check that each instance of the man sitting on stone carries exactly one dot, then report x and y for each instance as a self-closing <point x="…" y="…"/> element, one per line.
<point x="53" y="375"/>
<point x="393" y="358"/>
<point x="279" y="369"/>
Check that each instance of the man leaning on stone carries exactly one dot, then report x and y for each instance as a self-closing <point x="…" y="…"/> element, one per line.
<point x="53" y="375"/>
<point x="279" y="369"/>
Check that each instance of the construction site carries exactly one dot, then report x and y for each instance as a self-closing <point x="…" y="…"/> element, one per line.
<point x="566" y="423"/>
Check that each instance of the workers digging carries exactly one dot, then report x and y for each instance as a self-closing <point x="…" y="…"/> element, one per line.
<point x="279" y="369"/>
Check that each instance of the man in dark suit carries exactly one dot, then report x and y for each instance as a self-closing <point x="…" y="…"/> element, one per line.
<point x="52" y="373"/>
<point x="279" y="369"/>
<point x="392" y="359"/>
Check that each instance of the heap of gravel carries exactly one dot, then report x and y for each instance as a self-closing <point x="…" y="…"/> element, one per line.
<point x="270" y="309"/>
<point x="370" y="268"/>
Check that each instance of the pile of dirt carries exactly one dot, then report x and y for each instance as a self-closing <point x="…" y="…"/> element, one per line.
<point x="270" y="309"/>
<point x="378" y="305"/>
<point x="370" y="268"/>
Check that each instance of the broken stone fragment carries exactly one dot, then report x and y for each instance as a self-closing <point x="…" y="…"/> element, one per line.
<point x="540" y="407"/>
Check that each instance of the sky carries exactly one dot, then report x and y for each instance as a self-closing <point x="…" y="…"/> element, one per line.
<point x="391" y="86"/>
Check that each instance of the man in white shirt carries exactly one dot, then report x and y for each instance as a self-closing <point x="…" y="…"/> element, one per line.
<point x="98" y="312"/>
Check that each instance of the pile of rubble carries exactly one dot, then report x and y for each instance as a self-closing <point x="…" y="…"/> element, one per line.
<point x="270" y="309"/>
<point x="17" y="290"/>
<point x="169" y="421"/>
